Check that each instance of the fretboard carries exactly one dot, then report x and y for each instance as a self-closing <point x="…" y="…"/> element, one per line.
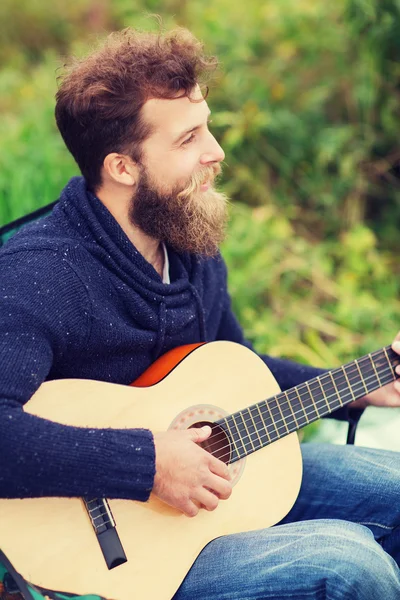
<point x="265" y="422"/>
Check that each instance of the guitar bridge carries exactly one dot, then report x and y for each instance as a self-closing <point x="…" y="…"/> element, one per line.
<point x="105" y="529"/>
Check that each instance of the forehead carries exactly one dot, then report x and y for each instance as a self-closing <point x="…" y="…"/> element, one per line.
<point x="169" y="118"/>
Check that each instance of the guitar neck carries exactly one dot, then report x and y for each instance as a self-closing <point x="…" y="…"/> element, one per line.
<point x="269" y="420"/>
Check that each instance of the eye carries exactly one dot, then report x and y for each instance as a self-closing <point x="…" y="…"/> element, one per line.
<point x="189" y="139"/>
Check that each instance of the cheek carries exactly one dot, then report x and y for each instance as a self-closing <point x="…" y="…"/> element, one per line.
<point x="178" y="170"/>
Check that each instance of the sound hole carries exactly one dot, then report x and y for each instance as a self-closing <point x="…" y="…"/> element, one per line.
<point x="218" y="443"/>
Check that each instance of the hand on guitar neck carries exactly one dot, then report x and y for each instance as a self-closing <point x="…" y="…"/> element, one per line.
<point x="187" y="476"/>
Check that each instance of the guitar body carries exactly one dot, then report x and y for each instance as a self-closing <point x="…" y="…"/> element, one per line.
<point x="52" y="542"/>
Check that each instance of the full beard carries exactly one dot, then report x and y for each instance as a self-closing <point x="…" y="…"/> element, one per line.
<point x="187" y="218"/>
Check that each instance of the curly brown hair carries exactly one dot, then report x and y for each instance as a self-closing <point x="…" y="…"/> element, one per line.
<point x="100" y="96"/>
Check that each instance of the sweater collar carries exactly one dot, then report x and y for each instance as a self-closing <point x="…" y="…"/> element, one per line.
<point x="92" y="222"/>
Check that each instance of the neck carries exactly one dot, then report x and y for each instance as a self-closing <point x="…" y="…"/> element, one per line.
<point x="118" y="204"/>
<point x="256" y="426"/>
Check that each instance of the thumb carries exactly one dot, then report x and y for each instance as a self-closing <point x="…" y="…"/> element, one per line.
<point x="199" y="434"/>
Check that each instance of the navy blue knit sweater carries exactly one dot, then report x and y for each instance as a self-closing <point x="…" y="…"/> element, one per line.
<point x="78" y="300"/>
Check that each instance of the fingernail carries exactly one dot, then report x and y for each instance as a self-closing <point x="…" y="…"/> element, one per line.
<point x="396" y="346"/>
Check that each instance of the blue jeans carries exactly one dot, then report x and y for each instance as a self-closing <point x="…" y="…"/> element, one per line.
<point x="340" y="541"/>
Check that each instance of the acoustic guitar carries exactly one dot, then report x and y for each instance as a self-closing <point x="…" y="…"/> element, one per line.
<point x="129" y="550"/>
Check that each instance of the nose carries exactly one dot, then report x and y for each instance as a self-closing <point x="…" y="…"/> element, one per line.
<point x="214" y="152"/>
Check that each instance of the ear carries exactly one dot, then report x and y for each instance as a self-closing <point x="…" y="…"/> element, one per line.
<point x="120" y="168"/>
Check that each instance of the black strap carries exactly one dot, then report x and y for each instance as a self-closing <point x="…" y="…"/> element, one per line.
<point x="17" y="578"/>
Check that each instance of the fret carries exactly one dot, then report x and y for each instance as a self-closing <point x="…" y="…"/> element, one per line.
<point x="258" y="424"/>
<point x="263" y="423"/>
<point x="361" y="377"/>
<point x="330" y="393"/>
<point x="323" y="391"/>
<point x="296" y="389"/>
<point x="287" y="411"/>
<point x="291" y="409"/>
<point x="273" y="420"/>
<point x="280" y="419"/>
<point x="252" y="435"/>
<point x="336" y="390"/>
<point x="241" y="427"/>
<point x="341" y="385"/>
<point x="269" y="420"/>
<point x="376" y="372"/>
<point x="312" y="397"/>
<point x="373" y="380"/>
<point x="389" y="363"/>
<point x="298" y="408"/>
<point x="232" y="435"/>
<point x="257" y="442"/>
<point x="348" y="382"/>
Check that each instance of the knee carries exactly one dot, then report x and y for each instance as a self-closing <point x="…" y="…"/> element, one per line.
<point x="355" y="566"/>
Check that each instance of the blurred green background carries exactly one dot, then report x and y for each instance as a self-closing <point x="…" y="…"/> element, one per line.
<point x="306" y="107"/>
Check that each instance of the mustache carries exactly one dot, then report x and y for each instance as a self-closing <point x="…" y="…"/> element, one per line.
<point x="206" y="174"/>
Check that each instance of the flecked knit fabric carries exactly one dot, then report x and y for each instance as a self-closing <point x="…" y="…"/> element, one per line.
<point x="78" y="300"/>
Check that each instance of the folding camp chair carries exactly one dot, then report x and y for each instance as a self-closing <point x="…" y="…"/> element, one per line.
<point x="8" y="230"/>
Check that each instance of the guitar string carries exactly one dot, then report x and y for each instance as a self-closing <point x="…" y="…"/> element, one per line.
<point x="302" y="387"/>
<point x="271" y="432"/>
<point x="322" y="401"/>
<point x="325" y="377"/>
<point x="268" y="436"/>
<point x="270" y="429"/>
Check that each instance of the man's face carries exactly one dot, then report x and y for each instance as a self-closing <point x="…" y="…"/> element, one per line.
<point x="175" y="200"/>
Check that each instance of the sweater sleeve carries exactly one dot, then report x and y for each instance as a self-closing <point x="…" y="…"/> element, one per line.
<point x="286" y="372"/>
<point x="45" y="312"/>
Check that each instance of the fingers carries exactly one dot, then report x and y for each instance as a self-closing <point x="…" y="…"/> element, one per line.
<point x="199" y="434"/>
<point x="219" y="468"/>
<point x="207" y="499"/>
<point x="187" y="476"/>
<point x="219" y="486"/>
<point x="190" y="509"/>
<point x="396" y="344"/>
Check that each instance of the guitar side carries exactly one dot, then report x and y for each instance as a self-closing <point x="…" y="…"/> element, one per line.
<point x="160" y="542"/>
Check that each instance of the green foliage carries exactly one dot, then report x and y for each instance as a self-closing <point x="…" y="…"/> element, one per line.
<point x="306" y="104"/>
<point x="34" y="162"/>
<point x="318" y="303"/>
<point x="321" y="303"/>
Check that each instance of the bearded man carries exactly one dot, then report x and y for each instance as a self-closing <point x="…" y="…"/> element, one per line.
<point x="126" y="268"/>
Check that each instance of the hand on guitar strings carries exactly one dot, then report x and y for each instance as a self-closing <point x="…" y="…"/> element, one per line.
<point x="187" y="476"/>
<point x="388" y="395"/>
